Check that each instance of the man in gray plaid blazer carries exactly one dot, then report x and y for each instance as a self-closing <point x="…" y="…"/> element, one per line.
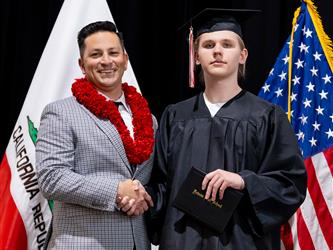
<point x="90" y="154"/>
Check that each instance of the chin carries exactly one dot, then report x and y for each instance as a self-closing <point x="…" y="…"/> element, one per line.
<point x="219" y="73"/>
<point x="108" y="80"/>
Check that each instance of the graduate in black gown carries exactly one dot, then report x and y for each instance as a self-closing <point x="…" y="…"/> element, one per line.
<point x="240" y="140"/>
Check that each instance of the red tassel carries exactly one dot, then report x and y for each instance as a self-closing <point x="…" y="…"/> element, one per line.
<point x="191" y="59"/>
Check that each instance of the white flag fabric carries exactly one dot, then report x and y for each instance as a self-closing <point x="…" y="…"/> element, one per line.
<point x="24" y="214"/>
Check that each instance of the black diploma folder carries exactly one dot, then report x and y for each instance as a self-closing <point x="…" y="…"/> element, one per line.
<point x="190" y="199"/>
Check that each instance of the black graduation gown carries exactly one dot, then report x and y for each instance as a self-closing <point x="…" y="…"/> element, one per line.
<point x="248" y="136"/>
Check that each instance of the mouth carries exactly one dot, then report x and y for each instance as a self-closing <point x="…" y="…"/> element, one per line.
<point x="218" y="62"/>
<point x="106" y="72"/>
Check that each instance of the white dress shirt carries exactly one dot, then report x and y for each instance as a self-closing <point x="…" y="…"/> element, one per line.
<point x="125" y="112"/>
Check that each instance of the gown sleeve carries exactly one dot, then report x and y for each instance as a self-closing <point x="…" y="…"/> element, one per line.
<point x="277" y="187"/>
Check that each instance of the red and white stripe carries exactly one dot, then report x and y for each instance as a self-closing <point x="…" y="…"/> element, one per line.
<point x="312" y="226"/>
<point x="12" y="230"/>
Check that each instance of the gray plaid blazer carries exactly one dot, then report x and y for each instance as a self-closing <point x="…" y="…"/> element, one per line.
<point x="80" y="160"/>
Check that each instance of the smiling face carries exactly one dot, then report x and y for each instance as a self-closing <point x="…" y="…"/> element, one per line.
<point x="220" y="53"/>
<point x="103" y="61"/>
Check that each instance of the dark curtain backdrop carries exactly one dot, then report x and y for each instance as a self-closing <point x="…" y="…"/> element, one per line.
<point x="156" y="48"/>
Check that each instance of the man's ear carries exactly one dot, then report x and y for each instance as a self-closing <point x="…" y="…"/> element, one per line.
<point x="81" y="64"/>
<point x="126" y="60"/>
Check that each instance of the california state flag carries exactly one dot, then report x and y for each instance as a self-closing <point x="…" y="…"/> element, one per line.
<point x="24" y="214"/>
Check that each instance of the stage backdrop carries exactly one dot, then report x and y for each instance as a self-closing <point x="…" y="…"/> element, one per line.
<point x="156" y="47"/>
<point x="158" y="50"/>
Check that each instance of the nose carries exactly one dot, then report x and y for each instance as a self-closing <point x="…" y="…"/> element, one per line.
<point x="106" y="59"/>
<point x="218" y="50"/>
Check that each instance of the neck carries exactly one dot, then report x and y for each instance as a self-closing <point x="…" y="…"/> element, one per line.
<point x="113" y="92"/>
<point x="218" y="91"/>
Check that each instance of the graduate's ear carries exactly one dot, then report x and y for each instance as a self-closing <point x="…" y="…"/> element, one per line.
<point x="196" y="58"/>
<point x="243" y="56"/>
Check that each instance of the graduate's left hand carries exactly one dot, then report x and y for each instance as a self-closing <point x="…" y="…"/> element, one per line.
<point x="219" y="180"/>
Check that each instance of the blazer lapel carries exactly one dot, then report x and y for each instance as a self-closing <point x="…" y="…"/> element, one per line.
<point x="111" y="132"/>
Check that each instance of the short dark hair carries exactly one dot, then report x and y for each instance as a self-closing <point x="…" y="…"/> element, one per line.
<point x="94" y="28"/>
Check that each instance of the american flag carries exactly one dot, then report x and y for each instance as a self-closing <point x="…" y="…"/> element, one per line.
<point x="306" y="94"/>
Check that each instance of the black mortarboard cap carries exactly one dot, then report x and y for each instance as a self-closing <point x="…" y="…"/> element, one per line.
<point x="215" y="19"/>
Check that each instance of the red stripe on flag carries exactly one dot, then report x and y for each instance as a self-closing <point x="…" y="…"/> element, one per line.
<point x="303" y="234"/>
<point x="323" y="214"/>
<point x="12" y="231"/>
<point x="286" y="236"/>
<point x="329" y="158"/>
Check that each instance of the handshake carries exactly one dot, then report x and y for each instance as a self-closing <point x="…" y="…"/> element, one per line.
<point x="132" y="198"/>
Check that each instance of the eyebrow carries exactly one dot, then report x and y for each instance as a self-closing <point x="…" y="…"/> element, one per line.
<point x="218" y="40"/>
<point x="111" y="48"/>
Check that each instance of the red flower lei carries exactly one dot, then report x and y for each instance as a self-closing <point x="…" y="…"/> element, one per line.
<point x="137" y="150"/>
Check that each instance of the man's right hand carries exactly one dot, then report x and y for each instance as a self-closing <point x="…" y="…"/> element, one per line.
<point x="132" y="198"/>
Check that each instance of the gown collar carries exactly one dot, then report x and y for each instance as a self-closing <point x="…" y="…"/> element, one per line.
<point x="201" y="109"/>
